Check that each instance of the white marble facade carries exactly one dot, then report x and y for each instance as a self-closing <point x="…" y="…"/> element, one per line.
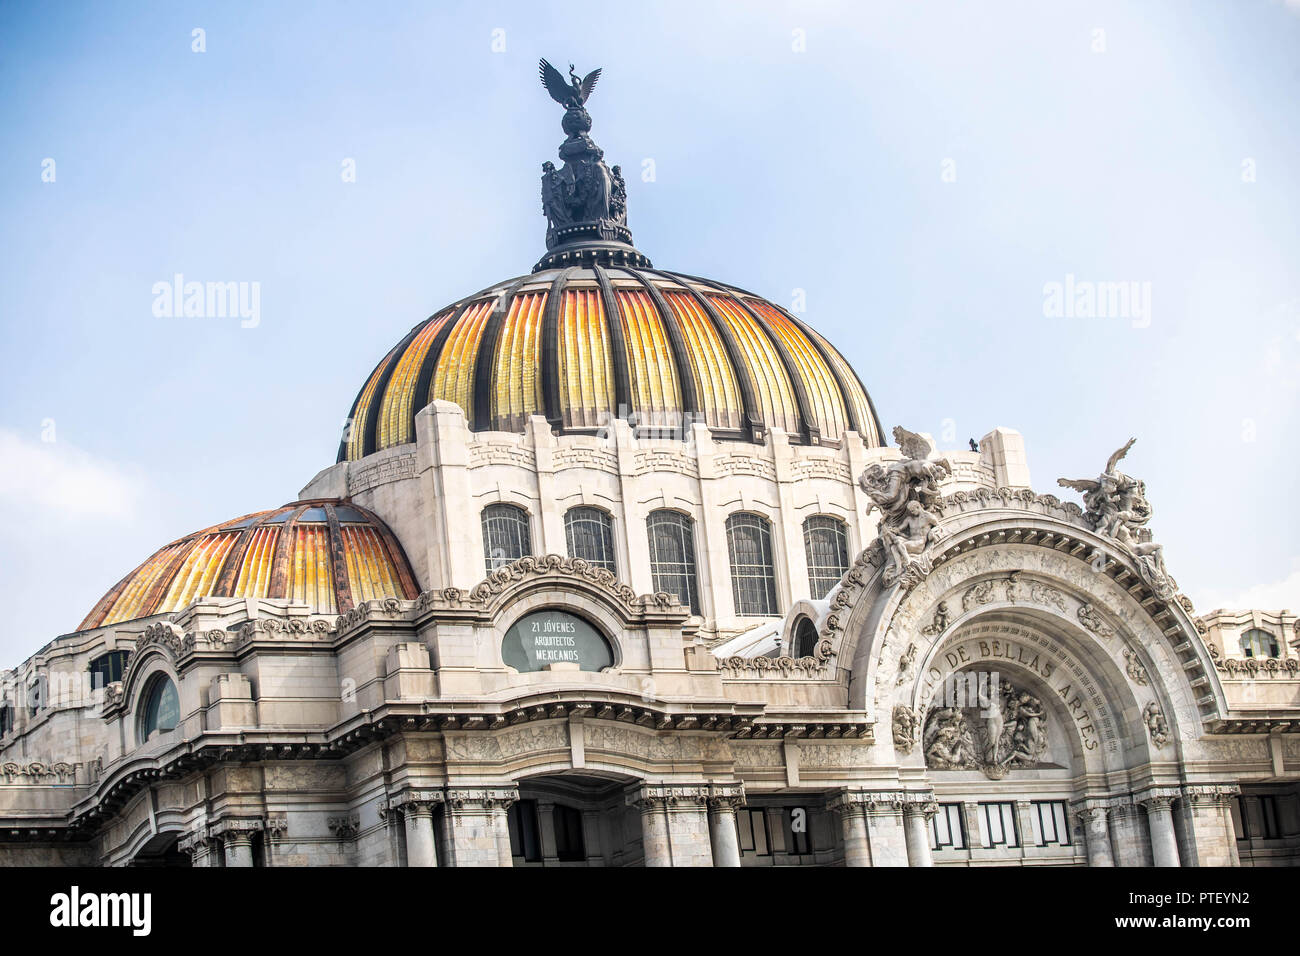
<point x="1123" y="728"/>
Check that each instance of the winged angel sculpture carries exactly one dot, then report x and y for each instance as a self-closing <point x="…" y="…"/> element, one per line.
<point x="1116" y="506"/>
<point x="907" y="495"/>
<point x="571" y="93"/>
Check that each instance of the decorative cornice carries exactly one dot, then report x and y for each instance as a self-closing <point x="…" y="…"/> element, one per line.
<point x="480" y="799"/>
<point x="661" y="797"/>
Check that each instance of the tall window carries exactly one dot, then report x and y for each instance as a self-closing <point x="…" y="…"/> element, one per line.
<point x="1269" y="829"/>
<point x="805" y="638"/>
<point x="751" y="825"/>
<point x="107" y="668"/>
<point x="525" y="839"/>
<point x="826" y="542"/>
<point x="797" y="840"/>
<point x="948" y="828"/>
<point x="1257" y="643"/>
<point x="753" y="580"/>
<point x="569" y="844"/>
<point x="590" y="534"/>
<point x="672" y="556"/>
<point x="162" y="708"/>
<point x="505" y="535"/>
<point x="1051" y="827"/>
<point x="998" y="824"/>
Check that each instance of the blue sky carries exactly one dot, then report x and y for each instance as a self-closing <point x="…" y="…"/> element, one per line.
<point x="1161" y="150"/>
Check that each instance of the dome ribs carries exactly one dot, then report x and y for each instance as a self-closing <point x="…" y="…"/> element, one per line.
<point x="351" y="441"/>
<point x="424" y="381"/>
<point x="676" y="342"/>
<point x="481" y="394"/>
<point x="234" y="561"/>
<point x="836" y="363"/>
<point x="551" y="350"/>
<point x="754" y="424"/>
<point x="280" y="565"/>
<point x="809" y="425"/>
<point x="369" y="438"/>
<point x="614" y="322"/>
<point x="342" y="581"/>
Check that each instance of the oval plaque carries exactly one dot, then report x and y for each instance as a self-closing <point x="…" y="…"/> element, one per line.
<point x="543" y="638"/>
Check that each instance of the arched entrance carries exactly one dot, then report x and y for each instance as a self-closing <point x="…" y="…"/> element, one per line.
<point x="161" y="850"/>
<point x="575" y="819"/>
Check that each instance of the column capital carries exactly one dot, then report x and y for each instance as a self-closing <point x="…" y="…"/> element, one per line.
<point x="726" y="796"/>
<point x="1159" y="798"/>
<point x="236" y="829"/>
<point x="415" y="802"/>
<point x="920" y="803"/>
<point x="197" y="843"/>
<point x="870" y="801"/>
<point x="1211" y="794"/>
<point x="480" y="799"/>
<point x="668" y="796"/>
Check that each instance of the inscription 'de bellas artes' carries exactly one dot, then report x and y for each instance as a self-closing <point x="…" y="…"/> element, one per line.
<point x="584" y="201"/>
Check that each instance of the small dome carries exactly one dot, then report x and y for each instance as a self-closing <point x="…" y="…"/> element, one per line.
<point x="330" y="554"/>
<point x="680" y="349"/>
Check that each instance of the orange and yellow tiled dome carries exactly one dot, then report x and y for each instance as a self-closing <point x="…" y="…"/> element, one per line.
<point x="588" y="344"/>
<point x="329" y="554"/>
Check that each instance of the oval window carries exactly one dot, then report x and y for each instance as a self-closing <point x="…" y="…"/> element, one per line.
<point x="162" y="709"/>
<point x="543" y="639"/>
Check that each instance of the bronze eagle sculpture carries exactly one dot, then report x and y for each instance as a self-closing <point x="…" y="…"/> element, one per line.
<point x="570" y="93"/>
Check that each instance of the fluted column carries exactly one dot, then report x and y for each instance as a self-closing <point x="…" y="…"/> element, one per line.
<point x="725" y="840"/>
<point x="1096" y="829"/>
<point x="417" y="808"/>
<point x="1160" y="821"/>
<point x="917" y="811"/>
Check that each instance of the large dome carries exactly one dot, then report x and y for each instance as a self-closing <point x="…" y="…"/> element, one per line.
<point x="681" y="349"/>
<point x="328" y="554"/>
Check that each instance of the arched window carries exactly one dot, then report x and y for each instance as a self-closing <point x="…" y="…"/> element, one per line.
<point x="805" y="638"/>
<point x="590" y="535"/>
<point x="161" y="711"/>
<point x="108" y="668"/>
<point x="1257" y="643"/>
<point x="826" y="542"/>
<point x="506" y="537"/>
<point x="672" y="556"/>
<point x="753" y="578"/>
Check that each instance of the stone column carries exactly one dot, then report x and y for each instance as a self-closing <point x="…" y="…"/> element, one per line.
<point x="1096" y="830"/>
<point x="1130" y="840"/>
<point x="200" y="848"/>
<point x="546" y="832"/>
<point x="851" y="806"/>
<point x="917" y="811"/>
<point x="236" y="837"/>
<point x="725" y="840"/>
<point x="417" y="808"/>
<point x="476" y="817"/>
<point x="1209" y="838"/>
<point x="1160" y="821"/>
<point x="674" y="825"/>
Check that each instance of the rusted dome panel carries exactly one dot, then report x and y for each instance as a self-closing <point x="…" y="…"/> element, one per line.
<point x="614" y="341"/>
<point x="292" y="552"/>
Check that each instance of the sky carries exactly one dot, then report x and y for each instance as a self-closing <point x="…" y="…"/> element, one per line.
<point x="918" y="175"/>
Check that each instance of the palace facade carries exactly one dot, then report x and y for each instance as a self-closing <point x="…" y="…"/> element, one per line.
<point x="618" y="567"/>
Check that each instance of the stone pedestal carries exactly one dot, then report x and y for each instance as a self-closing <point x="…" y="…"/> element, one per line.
<point x="674" y="825"/>
<point x="1160" y="823"/>
<point x="724" y="838"/>
<point x="476" y="818"/>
